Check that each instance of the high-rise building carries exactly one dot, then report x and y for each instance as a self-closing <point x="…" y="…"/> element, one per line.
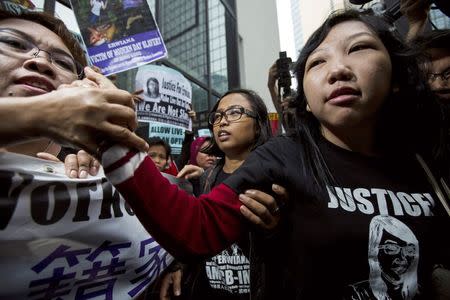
<point x="308" y="15"/>
<point x="297" y="25"/>
<point x="259" y="44"/>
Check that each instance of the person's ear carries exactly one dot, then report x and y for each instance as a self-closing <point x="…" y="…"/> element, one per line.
<point x="308" y="109"/>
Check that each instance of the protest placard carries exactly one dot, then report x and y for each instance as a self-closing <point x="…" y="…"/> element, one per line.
<point x="119" y="35"/>
<point x="166" y="97"/>
<point x="166" y="102"/>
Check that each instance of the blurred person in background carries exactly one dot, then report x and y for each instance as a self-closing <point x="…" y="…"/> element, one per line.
<point x="159" y="151"/>
<point x="198" y="156"/>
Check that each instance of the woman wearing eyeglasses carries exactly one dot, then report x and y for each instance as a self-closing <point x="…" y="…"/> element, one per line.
<point x="239" y="124"/>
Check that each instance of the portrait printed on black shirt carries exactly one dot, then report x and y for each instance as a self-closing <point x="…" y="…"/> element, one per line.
<point x="393" y="262"/>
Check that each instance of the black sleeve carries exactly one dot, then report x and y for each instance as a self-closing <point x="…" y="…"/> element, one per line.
<point x="263" y="167"/>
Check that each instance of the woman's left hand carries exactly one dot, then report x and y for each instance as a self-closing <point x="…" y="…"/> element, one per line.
<point x="190" y="172"/>
<point x="192" y="114"/>
<point x="262" y="209"/>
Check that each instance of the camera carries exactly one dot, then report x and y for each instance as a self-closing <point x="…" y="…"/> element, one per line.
<point x="284" y="79"/>
<point x="394" y="13"/>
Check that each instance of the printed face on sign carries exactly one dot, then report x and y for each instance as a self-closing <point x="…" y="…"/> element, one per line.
<point x="153" y="87"/>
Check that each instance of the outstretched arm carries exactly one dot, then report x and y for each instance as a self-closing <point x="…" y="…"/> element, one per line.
<point x="184" y="225"/>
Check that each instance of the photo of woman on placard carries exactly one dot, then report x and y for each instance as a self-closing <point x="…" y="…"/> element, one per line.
<point x="152" y="89"/>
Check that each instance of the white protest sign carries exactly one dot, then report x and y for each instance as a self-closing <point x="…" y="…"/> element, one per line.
<point x="167" y="96"/>
<point x="166" y="101"/>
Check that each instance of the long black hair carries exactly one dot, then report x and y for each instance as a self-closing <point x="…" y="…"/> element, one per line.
<point x="262" y="126"/>
<point x="410" y="117"/>
<point x="156" y="82"/>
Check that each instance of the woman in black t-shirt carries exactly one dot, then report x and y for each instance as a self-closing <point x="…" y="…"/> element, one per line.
<point x="239" y="123"/>
<point x="363" y="222"/>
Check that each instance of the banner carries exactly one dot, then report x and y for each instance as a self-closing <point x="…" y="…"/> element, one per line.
<point x="70" y="239"/>
<point x="119" y="35"/>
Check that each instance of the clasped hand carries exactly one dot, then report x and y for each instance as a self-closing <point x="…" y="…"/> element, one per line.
<point x="93" y="111"/>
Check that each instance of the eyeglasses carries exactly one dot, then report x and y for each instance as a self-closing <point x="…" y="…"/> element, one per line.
<point x="231" y="114"/>
<point x="13" y="44"/>
<point x="444" y="76"/>
<point x="393" y="249"/>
